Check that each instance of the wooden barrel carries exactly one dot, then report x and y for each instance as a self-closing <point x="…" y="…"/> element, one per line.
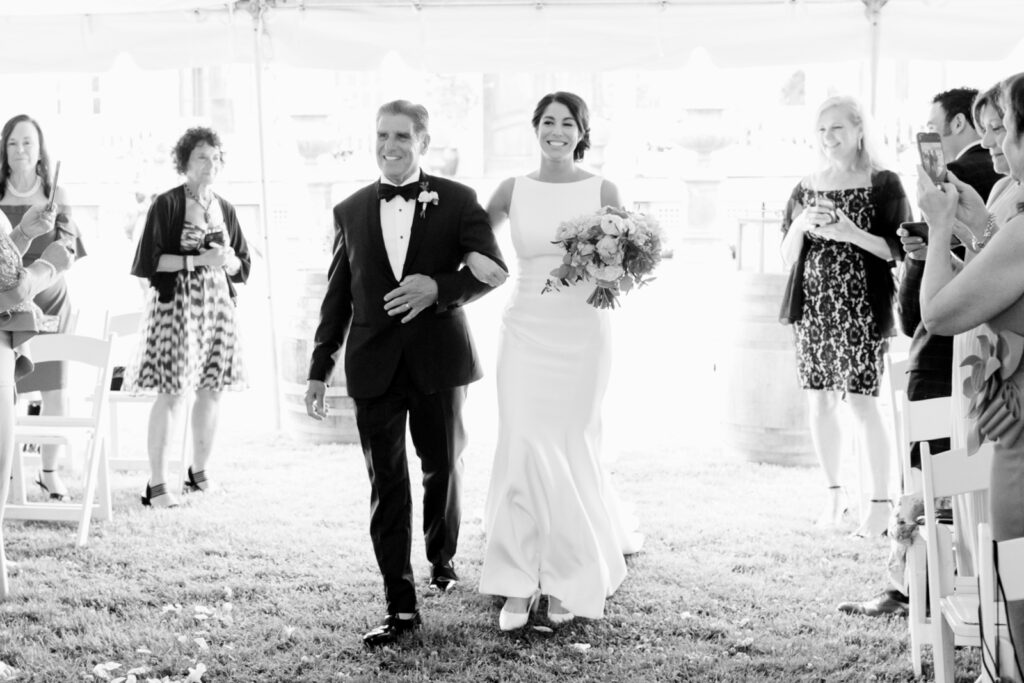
<point x="304" y="288"/>
<point x="765" y="412"/>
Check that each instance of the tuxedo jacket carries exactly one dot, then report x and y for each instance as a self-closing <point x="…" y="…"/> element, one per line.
<point x="975" y="168"/>
<point x="436" y="345"/>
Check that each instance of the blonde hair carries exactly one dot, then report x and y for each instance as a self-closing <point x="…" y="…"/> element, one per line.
<point x="869" y="152"/>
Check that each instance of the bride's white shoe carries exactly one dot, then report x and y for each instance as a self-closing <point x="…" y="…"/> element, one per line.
<point x="557" y="614"/>
<point x="509" y="620"/>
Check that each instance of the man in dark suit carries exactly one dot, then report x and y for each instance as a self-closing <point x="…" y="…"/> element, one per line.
<point x="396" y="287"/>
<point x="930" y="367"/>
<point x="950" y="116"/>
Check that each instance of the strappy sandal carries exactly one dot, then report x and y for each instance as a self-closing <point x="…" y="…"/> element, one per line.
<point x="155" y="492"/>
<point x="196" y="482"/>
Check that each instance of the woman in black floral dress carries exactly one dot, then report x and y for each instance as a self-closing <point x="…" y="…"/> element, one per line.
<point x="840" y="224"/>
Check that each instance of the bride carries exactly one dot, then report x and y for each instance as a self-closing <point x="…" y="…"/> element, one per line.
<point x="554" y="524"/>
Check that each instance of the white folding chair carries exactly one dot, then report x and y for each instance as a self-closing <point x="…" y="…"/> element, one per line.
<point x="953" y="603"/>
<point x="90" y="429"/>
<point x="127" y="326"/>
<point x="997" y="653"/>
<point x="920" y="421"/>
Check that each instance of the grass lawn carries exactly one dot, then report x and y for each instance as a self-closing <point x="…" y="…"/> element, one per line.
<point x="274" y="580"/>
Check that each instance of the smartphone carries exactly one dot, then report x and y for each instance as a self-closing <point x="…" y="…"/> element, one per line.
<point x="917" y="229"/>
<point x="53" y="189"/>
<point x="929" y="146"/>
<point x="211" y="238"/>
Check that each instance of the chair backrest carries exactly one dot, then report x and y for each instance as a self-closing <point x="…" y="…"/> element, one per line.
<point x="76" y="348"/>
<point x="896" y="367"/>
<point x="954" y="472"/>
<point x="931" y="418"/>
<point x="1010" y="557"/>
<point x="123" y="324"/>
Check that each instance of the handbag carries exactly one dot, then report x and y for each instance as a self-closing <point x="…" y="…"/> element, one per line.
<point x="792" y="307"/>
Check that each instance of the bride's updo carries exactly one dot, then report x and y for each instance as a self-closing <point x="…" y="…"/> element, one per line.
<point x="577" y="107"/>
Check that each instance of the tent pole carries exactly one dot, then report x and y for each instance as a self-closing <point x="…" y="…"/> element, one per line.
<point x="268" y="252"/>
<point x="873" y="9"/>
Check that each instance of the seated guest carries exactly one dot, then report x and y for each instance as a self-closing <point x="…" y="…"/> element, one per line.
<point x="20" y="319"/>
<point x="989" y="294"/>
<point x="931" y="355"/>
<point x="26" y="180"/>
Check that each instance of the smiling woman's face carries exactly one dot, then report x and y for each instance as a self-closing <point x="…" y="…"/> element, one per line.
<point x="838" y="136"/>
<point x="557" y="132"/>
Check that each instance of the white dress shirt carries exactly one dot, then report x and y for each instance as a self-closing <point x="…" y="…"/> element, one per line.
<point x="396" y="225"/>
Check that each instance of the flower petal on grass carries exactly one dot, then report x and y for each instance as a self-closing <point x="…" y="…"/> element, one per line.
<point x="201" y="642"/>
<point x="542" y="629"/>
<point x="195" y="674"/>
<point x="103" y="670"/>
<point x="579" y="647"/>
<point x="8" y="672"/>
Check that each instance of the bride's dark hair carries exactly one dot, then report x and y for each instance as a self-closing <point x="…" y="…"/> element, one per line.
<point x="577" y="107"/>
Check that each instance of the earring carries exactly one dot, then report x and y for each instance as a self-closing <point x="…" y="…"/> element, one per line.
<point x="860" y="144"/>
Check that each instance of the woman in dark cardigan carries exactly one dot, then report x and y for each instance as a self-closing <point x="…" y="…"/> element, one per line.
<point x="191" y="251"/>
<point x="840" y="231"/>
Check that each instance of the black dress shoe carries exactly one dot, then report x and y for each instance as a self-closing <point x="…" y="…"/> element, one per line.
<point x="391" y="630"/>
<point x="443" y="577"/>
<point x="886" y="602"/>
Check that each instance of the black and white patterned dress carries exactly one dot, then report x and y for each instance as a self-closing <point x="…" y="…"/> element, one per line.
<point x="838" y="343"/>
<point x="190" y="342"/>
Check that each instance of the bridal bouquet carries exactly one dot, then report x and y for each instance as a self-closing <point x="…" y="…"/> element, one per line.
<point x="615" y="248"/>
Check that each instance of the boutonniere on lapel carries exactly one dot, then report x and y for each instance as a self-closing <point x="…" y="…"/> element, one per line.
<point x="426" y="196"/>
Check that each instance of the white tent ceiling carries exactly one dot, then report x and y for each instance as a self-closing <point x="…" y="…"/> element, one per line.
<point x="495" y="35"/>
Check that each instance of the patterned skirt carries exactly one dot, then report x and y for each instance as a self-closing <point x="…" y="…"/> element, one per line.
<point x="190" y="342"/>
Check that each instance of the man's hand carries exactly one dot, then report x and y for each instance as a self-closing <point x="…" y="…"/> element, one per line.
<point x="316" y="405"/>
<point x="915" y="247"/>
<point x="413" y="294"/>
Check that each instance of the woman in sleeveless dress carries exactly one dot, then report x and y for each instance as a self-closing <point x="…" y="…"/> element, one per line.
<point x="25" y="181"/>
<point x="191" y="251"/>
<point x="988" y="294"/>
<point x="20" y="320"/>
<point x="553" y="521"/>
<point x="840" y="226"/>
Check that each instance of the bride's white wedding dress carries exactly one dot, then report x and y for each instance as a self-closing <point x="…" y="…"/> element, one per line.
<point x="553" y="519"/>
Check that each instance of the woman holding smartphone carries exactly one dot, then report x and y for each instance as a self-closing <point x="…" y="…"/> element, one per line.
<point x="191" y="250"/>
<point x="25" y="182"/>
<point x="987" y="294"/>
<point x="840" y="228"/>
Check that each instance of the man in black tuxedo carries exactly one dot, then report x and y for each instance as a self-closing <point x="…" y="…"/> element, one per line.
<point x="396" y="287"/>
<point x="930" y="370"/>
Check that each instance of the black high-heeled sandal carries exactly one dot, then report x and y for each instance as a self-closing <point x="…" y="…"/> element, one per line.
<point x="155" y="492"/>
<point x="192" y="484"/>
<point x="55" y="496"/>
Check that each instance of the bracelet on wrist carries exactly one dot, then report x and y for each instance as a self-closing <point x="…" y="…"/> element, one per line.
<point x="990" y="229"/>
<point x="189" y="264"/>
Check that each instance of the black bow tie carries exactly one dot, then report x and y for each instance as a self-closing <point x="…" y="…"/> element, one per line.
<point x="389" y="192"/>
